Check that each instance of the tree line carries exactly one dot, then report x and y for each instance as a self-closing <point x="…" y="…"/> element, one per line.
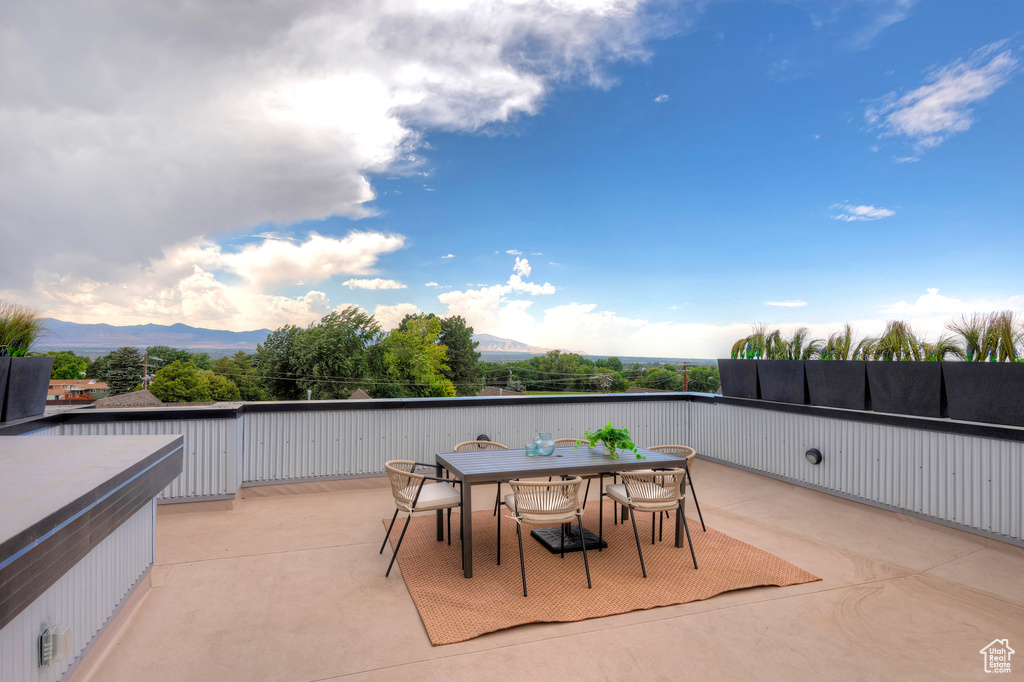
<point x="425" y="356"/>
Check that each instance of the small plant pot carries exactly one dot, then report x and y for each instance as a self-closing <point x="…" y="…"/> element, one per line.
<point x="27" y="382"/>
<point x="838" y="383"/>
<point x="739" y="378"/>
<point x="989" y="392"/>
<point x="782" y="381"/>
<point x="907" y="387"/>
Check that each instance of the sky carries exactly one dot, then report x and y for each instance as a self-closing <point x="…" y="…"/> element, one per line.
<point x="614" y="177"/>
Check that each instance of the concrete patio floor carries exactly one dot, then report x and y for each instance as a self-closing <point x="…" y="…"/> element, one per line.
<point x="288" y="585"/>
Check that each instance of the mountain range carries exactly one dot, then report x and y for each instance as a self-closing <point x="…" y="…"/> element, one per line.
<point x="100" y="338"/>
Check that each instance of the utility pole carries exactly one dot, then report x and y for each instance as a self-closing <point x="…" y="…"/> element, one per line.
<point x="145" y="368"/>
<point x="686" y="375"/>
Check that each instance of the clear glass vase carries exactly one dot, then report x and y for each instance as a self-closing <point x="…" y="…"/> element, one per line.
<point x="545" y="446"/>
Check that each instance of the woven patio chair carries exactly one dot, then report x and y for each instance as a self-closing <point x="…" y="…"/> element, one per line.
<point x="473" y="446"/>
<point x="571" y="443"/>
<point x="545" y="503"/>
<point x="688" y="454"/>
<point x="652" y="491"/>
<point x="413" y="494"/>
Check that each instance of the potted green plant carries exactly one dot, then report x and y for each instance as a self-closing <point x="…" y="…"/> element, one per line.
<point x="614" y="440"/>
<point x="987" y="386"/>
<point x="900" y="380"/>
<point x="739" y="372"/>
<point x="780" y="376"/>
<point x="838" y="377"/>
<point x="28" y="377"/>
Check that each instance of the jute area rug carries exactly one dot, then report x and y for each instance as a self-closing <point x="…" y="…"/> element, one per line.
<point x="455" y="609"/>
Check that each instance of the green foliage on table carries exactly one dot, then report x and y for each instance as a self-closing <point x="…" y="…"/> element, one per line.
<point x="614" y="439"/>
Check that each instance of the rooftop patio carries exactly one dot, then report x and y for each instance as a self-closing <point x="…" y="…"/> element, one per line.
<point x="286" y="583"/>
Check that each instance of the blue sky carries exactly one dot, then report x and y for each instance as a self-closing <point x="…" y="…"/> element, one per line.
<point x="611" y="177"/>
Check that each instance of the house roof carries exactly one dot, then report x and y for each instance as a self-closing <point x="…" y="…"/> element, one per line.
<point x="359" y="394"/>
<point x="140" y="398"/>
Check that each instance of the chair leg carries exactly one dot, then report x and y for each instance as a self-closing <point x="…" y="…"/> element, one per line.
<point x="600" y="516"/>
<point x="563" y="540"/>
<point x="499" y="539"/>
<point x="399" y="545"/>
<point x="654" y="524"/>
<point x="661" y="525"/>
<point x="390" y="526"/>
<point x="639" y="551"/>
<point x="695" y="502"/>
<point x="522" y="564"/>
<point x="583" y="541"/>
<point x="587" y="492"/>
<point x="449" y="526"/>
<point x="497" y="499"/>
<point x="689" y="541"/>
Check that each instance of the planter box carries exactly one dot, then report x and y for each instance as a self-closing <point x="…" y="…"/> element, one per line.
<point x="907" y="387"/>
<point x="5" y="366"/>
<point x="739" y="378"/>
<point x="27" y="381"/>
<point x="782" y="381"/>
<point x="838" y="383"/>
<point x="990" y="392"/>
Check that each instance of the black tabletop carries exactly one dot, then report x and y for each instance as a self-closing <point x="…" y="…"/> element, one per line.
<point x="495" y="465"/>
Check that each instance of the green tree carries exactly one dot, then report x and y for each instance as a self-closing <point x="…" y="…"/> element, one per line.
<point x="463" y="358"/>
<point x="124" y="370"/>
<point x="240" y="369"/>
<point x="415" y="361"/>
<point x="68" y="365"/>
<point x="277" y="366"/>
<point x="167" y="355"/>
<point x="220" y="388"/>
<point x="332" y="355"/>
<point x="97" y="369"/>
<point x="180" y="382"/>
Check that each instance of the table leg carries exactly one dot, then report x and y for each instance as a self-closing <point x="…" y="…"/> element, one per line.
<point x="680" y="533"/>
<point x="440" y="514"/>
<point x="467" y="529"/>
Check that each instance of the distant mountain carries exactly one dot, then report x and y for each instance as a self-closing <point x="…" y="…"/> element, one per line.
<point x="72" y="336"/>
<point x="495" y="344"/>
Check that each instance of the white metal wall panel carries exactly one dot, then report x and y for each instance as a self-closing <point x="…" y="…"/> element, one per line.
<point x="210" y="458"/>
<point x="290" y="445"/>
<point x="972" y="481"/>
<point x="83" y="599"/>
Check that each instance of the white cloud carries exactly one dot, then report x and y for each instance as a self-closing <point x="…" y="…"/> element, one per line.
<point x="373" y="284"/>
<point x="431" y="284"/>
<point x="932" y="303"/>
<point x="931" y="113"/>
<point x="390" y="316"/>
<point x="849" y="213"/>
<point x="661" y="98"/>
<point x="891" y="12"/>
<point x="450" y="255"/>
<point x="787" y="304"/>
<point x="175" y="121"/>
<point x="905" y="159"/>
<point x="273" y="261"/>
<point x="522" y="267"/>
<point x="513" y="252"/>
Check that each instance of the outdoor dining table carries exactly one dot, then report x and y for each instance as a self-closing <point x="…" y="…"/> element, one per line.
<point x="491" y="466"/>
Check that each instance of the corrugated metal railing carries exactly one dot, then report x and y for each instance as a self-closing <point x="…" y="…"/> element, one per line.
<point x="972" y="481"/>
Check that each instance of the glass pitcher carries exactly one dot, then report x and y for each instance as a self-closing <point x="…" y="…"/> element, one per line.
<point x="545" y="446"/>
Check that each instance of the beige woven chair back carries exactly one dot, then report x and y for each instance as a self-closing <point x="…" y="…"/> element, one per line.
<point x="403" y="482"/>
<point x="684" y="451"/>
<point x="654" y="490"/>
<point x="566" y="442"/>
<point x="547" y="501"/>
<point x="470" y="445"/>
